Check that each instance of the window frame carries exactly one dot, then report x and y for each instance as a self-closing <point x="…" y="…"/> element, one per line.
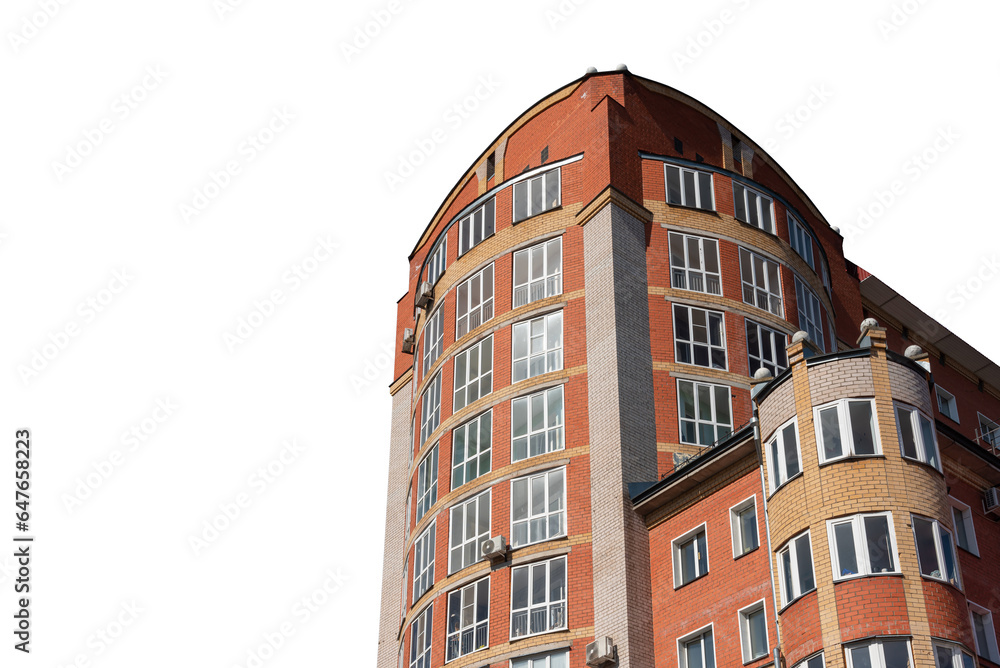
<point x="958" y="655"/>
<point x="992" y="437"/>
<point x="430" y="418"/>
<point x="422" y="626"/>
<point x="746" y="641"/>
<point x="968" y="526"/>
<point x="698" y="421"/>
<point x="488" y="221"/>
<point x="474" y="587"/>
<point x="918" y="435"/>
<point x="751" y="282"/>
<point x="547" y="603"/>
<point x="678" y="543"/>
<point x="777" y="470"/>
<point x="806" y="300"/>
<point x="546" y="429"/>
<point x="861" y="555"/>
<point x="791" y="592"/>
<point x="438" y="256"/>
<point x="775" y="348"/>
<point x="485" y="496"/>
<point x="991" y="652"/>
<point x="525" y="189"/>
<point x="691" y="342"/>
<point x="697" y="175"/>
<point x="481" y="452"/>
<point x="547" y="320"/>
<point x="796" y="229"/>
<point x="938" y="391"/>
<point x="428" y="497"/>
<point x="760" y="207"/>
<point x="938" y="531"/>
<point x="845" y="425"/>
<point x="551" y="280"/>
<point x="735" y="517"/>
<point x="546" y="515"/>
<point x="698" y="635"/>
<point x="876" y="653"/>
<point x="483" y="381"/>
<point x="805" y="663"/>
<point x="532" y="661"/>
<point x="433" y="335"/>
<point x="687" y="269"/>
<point x="484" y="305"/>
<point x="424" y="574"/>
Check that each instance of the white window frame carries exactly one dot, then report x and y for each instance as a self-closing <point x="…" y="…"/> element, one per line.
<point x="543" y="660"/>
<point x="793" y="591"/>
<point x="808" y="661"/>
<point x="989" y="434"/>
<point x="687" y="270"/>
<point x="547" y="513"/>
<point x="430" y="408"/>
<point x="427" y="481"/>
<point x="800" y="240"/>
<point x="461" y="462"/>
<point x="958" y="655"/>
<point x="848" y="446"/>
<point x="735" y="516"/>
<point x="677" y="544"/>
<point x="406" y="590"/>
<point x="923" y="452"/>
<point x="860" y="545"/>
<point x="875" y="652"/>
<point x="552" y="430"/>
<point x="777" y="468"/>
<point x="465" y="506"/>
<point x="422" y="629"/>
<point x="697" y="177"/>
<point x="470" y="388"/>
<point x="473" y="316"/>
<point x="713" y="420"/>
<point x="524" y="191"/>
<point x="423" y="573"/>
<point x="990" y="652"/>
<point x="968" y="526"/>
<point x="779" y="341"/>
<point x="941" y="546"/>
<point x="437" y="262"/>
<point x="810" y="310"/>
<point x="760" y="208"/>
<point x="475" y="590"/>
<point x="692" y="341"/>
<point x="550" y="352"/>
<point x="743" y="616"/>
<point x="947" y="400"/>
<point x="549" y="604"/>
<point x="433" y="337"/>
<point x="697" y="636"/>
<point x="549" y="284"/>
<point x="482" y="219"/>
<point x="760" y="285"/>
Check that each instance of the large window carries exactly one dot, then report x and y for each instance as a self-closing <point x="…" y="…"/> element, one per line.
<point x="985" y="634"/>
<point x="947" y="655"/>
<point x="765" y="349"/>
<point x="537" y="424"/>
<point x="538" y="598"/>
<point x="881" y="653"/>
<point x="801" y="241"/>
<point x="704" y="411"/>
<point x="430" y="408"/>
<point x="862" y="545"/>
<point x="690" y="556"/>
<point x="433" y="337"/>
<point x="753" y="207"/>
<point x="421" y="632"/>
<point x="697" y="650"/>
<point x="538" y="272"/>
<point x="537" y="346"/>
<point x="700" y="337"/>
<point x="470" y="526"/>
<point x="784" y="459"/>
<point x="689" y="187"/>
<point x="965" y="531"/>
<point x="473" y="373"/>
<point x="423" y="562"/>
<point x="475" y="302"/>
<point x="436" y="263"/>
<point x="538" y="507"/>
<point x="477" y="226"/>
<point x="536" y="195"/>
<point x="761" y="282"/>
<point x="427" y="482"/>
<point x="946" y="403"/>
<point x="795" y="568"/>
<point x="935" y="550"/>
<point x="743" y="521"/>
<point x="753" y="632"/>
<point x="694" y="264"/>
<point x="558" y="659"/>
<point x="846" y="428"/>
<point x="917" y="437"/>
<point x="810" y="313"/>
<point x="471" y="449"/>
<point x="468" y="619"/>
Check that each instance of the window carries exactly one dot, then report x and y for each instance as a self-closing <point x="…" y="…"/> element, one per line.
<point x="423" y="562"/>
<point x="430" y="408"/>
<point x="690" y="556"/>
<point x="814" y="661"/>
<point x="433" y="337"/>
<point x="990" y="431"/>
<point x="475" y="302"/>
<point x="846" y="428"/>
<point x="862" y="545"/>
<point x="538" y="507"/>
<point x="538" y="598"/>
<point x="427" y="482"/>
<point x="405" y="592"/>
<point x="753" y="207"/>
<point x="537" y="424"/>
<point x="753" y="632"/>
<point x="696" y="650"/>
<point x="881" y="653"/>
<point x="468" y="619"/>
<point x="700" y="337"/>
<point x="783" y="455"/>
<point x="491" y="165"/>
<point x="421" y="632"/>
<point x="538" y="272"/>
<point x="743" y="519"/>
<point x="984" y="633"/>
<point x="478" y="225"/>
<point x="947" y="655"/>
<point x="694" y="264"/>
<point x="536" y="195"/>
<point x="965" y="531"/>
<point x="946" y="403"/>
<point x="917" y="437"/>
<point x="801" y="241"/>
<point x="688" y="187"/>
<point x="810" y="314"/>
<point x="473" y="373"/>
<point x="553" y="660"/>
<point x="471" y="449"/>
<point x="765" y="348"/>
<point x="704" y="412"/>
<point x="537" y="346"/>
<point x="761" y="282"/>
<point x="935" y="551"/>
<point x="795" y="568"/>
<point x="437" y="260"/>
<point x="470" y="526"/>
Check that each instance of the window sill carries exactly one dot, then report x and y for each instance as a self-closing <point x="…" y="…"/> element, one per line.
<point x="851" y="458"/>
<point x="949" y="583"/>
<point x="470" y="249"/>
<point x="757" y="660"/>
<point x="700" y="366"/>
<point x="685" y="584"/>
<point x="714" y="212"/>
<point x="540" y="633"/>
<point x="968" y="551"/>
<point x="535" y="215"/>
<point x="919" y="462"/>
<point x="554" y="539"/>
<point x="779" y="487"/>
<point x="754" y="227"/>
<point x="846" y="578"/>
<point x="795" y="600"/>
<point x="460" y="656"/>
<point x="740" y="556"/>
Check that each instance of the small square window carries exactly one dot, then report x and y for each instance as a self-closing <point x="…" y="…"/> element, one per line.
<point x="946" y="403"/>
<point x="690" y="556"/>
<point x="743" y="518"/>
<point x="753" y="632"/>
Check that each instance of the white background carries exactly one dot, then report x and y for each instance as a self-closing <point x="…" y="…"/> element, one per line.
<point x="315" y="370"/>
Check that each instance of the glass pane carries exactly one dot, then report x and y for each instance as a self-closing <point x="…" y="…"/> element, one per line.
<point x="688" y="566"/>
<point x="879" y="545"/>
<point x="951" y="572"/>
<point x="555" y="406"/>
<point x="786" y="570"/>
<point x="741" y="209"/>
<point x="862" y="427"/>
<point x="702" y="554"/>
<point x="689" y="196"/>
<point x="555" y="491"/>
<point x="711" y="255"/>
<point x="705" y="191"/>
<point x="861" y="657"/>
<point x="519" y="586"/>
<point x="927" y="436"/>
<point x="520" y="201"/>
<point x="758" y="634"/>
<point x="829" y="421"/>
<point x="552" y="189"/>
<point x="538" y="572"/>
<point x="896" y="653"/>
<point x="722" y="405"/>
<point x="520" y="493"/>
<point x="536" y="195"/>
<point x="748" y="529"/>
<point x="847" y="560"/>
<point x="906" y="436"/>
<point x="791" y="451"/>
<point x="520" y="340"/>
<point x="673" y="185"/>
<point x="923" y="530"/>
<point x="960" y="536"/>
<point x="693" y="654"/>
<point x="537" y="495"/>
<point x="681" y="328"/>
<point x="686" y="399"/>
<point x="803" y="558"/>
